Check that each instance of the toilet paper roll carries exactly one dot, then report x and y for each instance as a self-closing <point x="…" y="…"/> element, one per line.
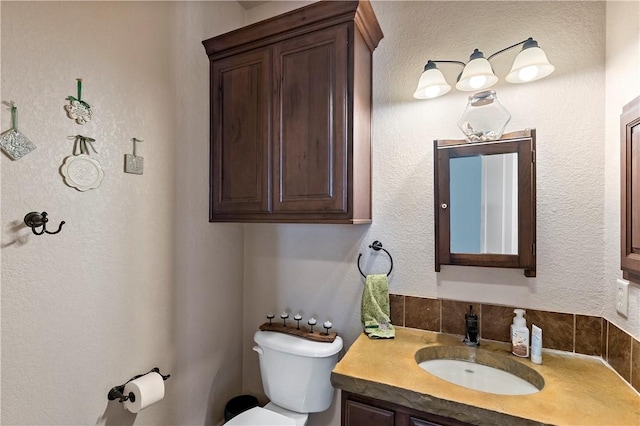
<point x="146" y="390"/>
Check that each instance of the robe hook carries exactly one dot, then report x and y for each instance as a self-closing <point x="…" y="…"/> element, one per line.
<point x="36" y="220"/>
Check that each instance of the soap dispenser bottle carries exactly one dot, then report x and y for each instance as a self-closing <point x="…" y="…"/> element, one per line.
<point x="519" y="335"/>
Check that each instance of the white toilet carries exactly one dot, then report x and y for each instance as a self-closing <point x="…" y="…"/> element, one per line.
<point x="295" y="377"/>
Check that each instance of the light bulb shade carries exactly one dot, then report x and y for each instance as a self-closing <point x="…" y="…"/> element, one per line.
<point x="431" y="85"/>
<point x="476" y="75"/>
<point x="531" y="64"/>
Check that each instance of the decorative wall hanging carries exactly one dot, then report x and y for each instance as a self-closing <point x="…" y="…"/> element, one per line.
<point x="78" y="109"/>
<point x="13" y="143"/>
<point x="79" y="170"/>
<point x="133" y="163"/>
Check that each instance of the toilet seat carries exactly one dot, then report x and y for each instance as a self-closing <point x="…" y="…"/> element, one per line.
<point x="260" y="416"/>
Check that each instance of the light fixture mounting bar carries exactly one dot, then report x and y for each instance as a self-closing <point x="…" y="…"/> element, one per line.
<point x="511" y="47"/>
<point x="447" y="62"/>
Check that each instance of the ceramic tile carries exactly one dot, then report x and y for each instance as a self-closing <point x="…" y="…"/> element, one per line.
<point x="422" y="313"/>
<point x="453" y="316"/>
<point x="635" y="365"/>
<point x="619" y="356"/>
<point x="588" y="335"/>
<point x="557" y="328"/>
<point x="396" y="305"/>
<point x="496" y="322"/>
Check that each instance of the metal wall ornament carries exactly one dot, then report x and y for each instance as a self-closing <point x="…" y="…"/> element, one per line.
<point x="78" y="109"/>
<point x="79" y="170"/>
<point x="13" y="143"/>
<point x="132" y="162"/>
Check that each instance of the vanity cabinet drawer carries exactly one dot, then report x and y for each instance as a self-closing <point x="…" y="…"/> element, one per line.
<point x="359" y="410"/>
<point x="418" y="422"/>
<point x="357" y="413"/>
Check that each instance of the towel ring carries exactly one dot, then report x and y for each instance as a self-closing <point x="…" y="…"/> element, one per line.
<point x="377" y="246"/>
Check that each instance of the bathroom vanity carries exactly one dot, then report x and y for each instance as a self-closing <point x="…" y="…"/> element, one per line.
<point x="383" y="384"/>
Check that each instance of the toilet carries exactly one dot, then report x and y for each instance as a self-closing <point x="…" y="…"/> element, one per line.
<point x="295" y="376"/>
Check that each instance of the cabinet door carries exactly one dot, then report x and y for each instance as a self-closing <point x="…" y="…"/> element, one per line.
<point x="241" y="113"/>
<point x="630" y="197"/>
<point x="310" y="127"/>
<point x="358" y="414"/>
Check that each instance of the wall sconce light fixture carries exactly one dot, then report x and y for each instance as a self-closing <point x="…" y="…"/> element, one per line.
<point x="531" y="64"/>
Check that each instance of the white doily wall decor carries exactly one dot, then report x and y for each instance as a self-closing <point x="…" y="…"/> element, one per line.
<point x="78" y="109"/>
<point x="79" y="170"/>
<point x="13" y="143"/>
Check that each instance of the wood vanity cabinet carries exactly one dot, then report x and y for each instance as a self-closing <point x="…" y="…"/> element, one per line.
<point x="358" y="410"/>
<point x="630" y="191"/>
<point x="291" y="117"/>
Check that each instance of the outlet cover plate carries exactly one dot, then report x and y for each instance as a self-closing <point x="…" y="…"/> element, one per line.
<point x="622" y="297"/>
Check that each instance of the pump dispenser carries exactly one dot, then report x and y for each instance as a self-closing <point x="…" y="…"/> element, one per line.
<point x="519" y="335"/>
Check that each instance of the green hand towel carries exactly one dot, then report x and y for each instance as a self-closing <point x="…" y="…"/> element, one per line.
<point x="375" y="308"/>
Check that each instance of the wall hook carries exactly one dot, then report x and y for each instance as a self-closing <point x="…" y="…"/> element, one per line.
<point x="36" y="220"/>
<point x="117" y="392"/>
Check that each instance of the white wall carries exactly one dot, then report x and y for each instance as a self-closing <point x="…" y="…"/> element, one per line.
<point x="138" y="277"/>
<point x="312" y="269"/>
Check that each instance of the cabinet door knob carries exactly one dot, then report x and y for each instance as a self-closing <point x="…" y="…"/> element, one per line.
<point x="444" y="206"/>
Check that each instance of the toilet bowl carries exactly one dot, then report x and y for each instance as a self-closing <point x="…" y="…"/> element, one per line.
<point x="295" y="377"/>
<point x="270" y="415"/>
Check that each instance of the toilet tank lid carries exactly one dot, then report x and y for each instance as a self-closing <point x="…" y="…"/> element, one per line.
<point x="297" y="345"/>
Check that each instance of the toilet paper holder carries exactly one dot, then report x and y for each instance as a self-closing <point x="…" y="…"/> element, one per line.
<point x="117" y="392"/>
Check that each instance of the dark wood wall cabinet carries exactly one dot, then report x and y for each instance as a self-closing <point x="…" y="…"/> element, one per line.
<point x="630" y="191"/>
<point x="358" y="410"/>
<point x="291" y="117"/>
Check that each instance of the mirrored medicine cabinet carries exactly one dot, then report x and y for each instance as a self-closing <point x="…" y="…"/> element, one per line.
<point x="485" y="202"/>
<point x="630" y="193"/>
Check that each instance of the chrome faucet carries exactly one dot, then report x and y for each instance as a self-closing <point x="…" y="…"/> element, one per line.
<point x="471" y="328"/>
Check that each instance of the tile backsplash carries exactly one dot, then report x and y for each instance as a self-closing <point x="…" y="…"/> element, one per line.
<point x="583" y="334"/>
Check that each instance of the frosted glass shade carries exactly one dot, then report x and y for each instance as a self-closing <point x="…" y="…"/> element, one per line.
<point x="431" y="85"/>
<point x="477" y="75"/>
<point x="531" y="64"/>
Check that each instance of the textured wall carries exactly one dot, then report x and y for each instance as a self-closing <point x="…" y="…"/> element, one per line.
<point x="313" y="268"/>
<point x="137" y="278"/>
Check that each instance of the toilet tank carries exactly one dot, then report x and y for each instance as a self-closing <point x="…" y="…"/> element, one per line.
<point x="295" y="371"/>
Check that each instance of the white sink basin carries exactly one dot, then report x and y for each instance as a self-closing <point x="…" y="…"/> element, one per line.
<point x="479" y="377"/>
<point x="481" y="370"/>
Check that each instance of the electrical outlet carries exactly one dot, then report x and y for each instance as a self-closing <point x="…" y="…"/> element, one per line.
<point x="622" y="297"/>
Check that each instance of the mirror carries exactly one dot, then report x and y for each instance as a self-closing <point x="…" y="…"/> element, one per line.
<point x="484" y="197"/>
<point x="484" y="203"/>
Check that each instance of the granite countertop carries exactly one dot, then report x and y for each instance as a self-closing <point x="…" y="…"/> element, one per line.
<point x="578" y="390"/>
